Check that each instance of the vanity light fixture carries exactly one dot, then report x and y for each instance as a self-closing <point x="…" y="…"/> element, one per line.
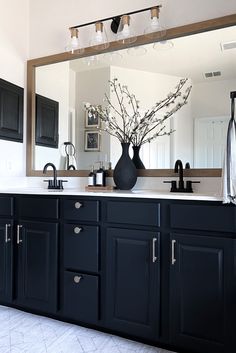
<point x="155" y="25"/>
<point x="74" y="43"/>
<point x="122" y="27"/>
<point x="125" y="33"/>
<point x="99" y="37"/>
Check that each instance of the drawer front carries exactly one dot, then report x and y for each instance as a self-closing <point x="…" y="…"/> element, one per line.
<point x="81" y="210"/>
<point x="6" y="206"/>
<point x="81" y="247"/>
<point x="38" y="207"/>
<point x="133" y="212"/>
<point x="201" y="217"/>
<point x="81" y="296"/>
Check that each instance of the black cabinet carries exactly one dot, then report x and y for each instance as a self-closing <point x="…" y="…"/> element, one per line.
<point x="133" y="282"/>
<point x="37" y="265"/>
<point x="6" y="248"/>
<point x="6" y="258"/>
<point x="47" y="111"/>
<point x="200" y="276"/>
<point x="11" y="111"/>
<point x="81" y="254"/>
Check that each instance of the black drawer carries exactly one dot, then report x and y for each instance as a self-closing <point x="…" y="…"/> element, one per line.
<point x="6" y="206"/>
<point x="203" y="217"/>
<point x="81" y="296"/>
<point x="38" y="207"/>
<point x="81" y="210"/>
<point x="81" y="247"/>
<point x="133" y="212"/>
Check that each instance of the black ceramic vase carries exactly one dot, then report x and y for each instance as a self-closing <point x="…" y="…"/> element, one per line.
<point x="136" y="158"/>
<point x="125" y="173"/>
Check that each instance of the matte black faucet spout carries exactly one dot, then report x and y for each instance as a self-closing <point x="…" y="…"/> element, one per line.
<point x="179" y="169"/>
<point x="54" y="172"/>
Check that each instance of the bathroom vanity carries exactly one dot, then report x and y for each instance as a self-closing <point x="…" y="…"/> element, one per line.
<point x="158" y="268"/>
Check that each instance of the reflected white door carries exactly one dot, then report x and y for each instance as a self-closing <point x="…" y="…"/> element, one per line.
<point x="210" y="141"/>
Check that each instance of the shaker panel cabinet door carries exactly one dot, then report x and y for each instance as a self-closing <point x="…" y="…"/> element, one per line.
<point x="200" y="273"/>
<point x="37" y="265"/>
<point x="6" y="246"/>
<point x="132" y="295"/>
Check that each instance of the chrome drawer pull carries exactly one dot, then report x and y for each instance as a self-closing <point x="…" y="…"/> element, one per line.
<point x="7" y="226"/>
<point x="77" y="230"/>
<point x="77" y="279"/>
<point x="78" y="204"/>
<point x="154" y="258"/>
<point x="18" y="240"/>
<point x="173" y="259"/>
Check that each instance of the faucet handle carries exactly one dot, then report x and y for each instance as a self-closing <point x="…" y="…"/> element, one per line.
<point x="189" y="185"/>
<point x="173" y="185"/>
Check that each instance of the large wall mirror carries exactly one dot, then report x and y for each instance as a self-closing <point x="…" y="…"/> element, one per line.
<point x="203" y="52"/>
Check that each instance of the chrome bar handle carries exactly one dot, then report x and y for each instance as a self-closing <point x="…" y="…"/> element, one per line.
<point x="154" y="258"/>
<point x="173" y="259"/>
<point x="18" y="240"/>
<point x="7" y="226"/>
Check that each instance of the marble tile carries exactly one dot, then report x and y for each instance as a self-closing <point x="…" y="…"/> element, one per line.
<point x="22" y="332"/>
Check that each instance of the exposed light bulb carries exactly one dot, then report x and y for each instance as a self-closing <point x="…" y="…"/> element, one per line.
<point x="99" y="37"/>
<point x="126" y="30"/>
<point x="155" y="23"/>
<point x="74" y="43"/>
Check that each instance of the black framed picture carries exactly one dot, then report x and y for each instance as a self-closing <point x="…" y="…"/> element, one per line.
<point x="92" y="141"/>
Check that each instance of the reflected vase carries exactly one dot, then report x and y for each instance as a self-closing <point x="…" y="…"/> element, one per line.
<point x="136" y="158"/>
<point x="125" y="173"/>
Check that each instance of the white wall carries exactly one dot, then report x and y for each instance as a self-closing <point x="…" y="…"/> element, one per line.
<point x="53" y="82"/>
<point x="212" y="98"/>
<point x="13" y="56"/>
<point x="91" y="85"/>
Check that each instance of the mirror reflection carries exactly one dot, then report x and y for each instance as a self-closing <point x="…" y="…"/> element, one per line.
<point x="150" y="72"/>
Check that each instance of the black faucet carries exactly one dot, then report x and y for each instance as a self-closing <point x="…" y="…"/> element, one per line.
<point x="53" y="184"/>
<point x="179" y="169"/>
<point x="181" y="188"/>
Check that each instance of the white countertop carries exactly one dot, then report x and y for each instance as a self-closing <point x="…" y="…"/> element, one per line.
<point x="151" y="194"/>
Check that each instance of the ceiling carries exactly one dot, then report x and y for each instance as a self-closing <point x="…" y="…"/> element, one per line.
<point x="190" y="56"/>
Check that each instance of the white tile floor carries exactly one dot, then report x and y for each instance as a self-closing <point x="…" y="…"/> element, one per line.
<point x="27" y="333"/>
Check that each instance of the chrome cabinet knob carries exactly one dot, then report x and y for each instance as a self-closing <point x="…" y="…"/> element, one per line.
<point x="77" y="279"/>
<point x="77" y="230"/>
<point x="78" y="205"/>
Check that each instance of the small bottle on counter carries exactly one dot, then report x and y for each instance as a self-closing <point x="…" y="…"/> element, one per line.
<point x="100" y="176"/>
<point x="92" y="177"/>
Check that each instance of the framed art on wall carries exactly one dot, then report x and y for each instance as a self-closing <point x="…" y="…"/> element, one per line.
<point x="92" y="141"/>
<point x="91" y="119"/>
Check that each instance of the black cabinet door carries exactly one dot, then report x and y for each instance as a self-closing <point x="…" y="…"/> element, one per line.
<point x="37" y="265"/>
<point x="200" y="273"/>
<point x="132" y="295"/>
<point x="6" y="267"/>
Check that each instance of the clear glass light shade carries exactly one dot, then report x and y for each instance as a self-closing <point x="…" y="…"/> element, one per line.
<point x="99" y="38"/>
<point x="74" y="43"/>
<point x="154" y="29"/>
<point x="125" y="34"/>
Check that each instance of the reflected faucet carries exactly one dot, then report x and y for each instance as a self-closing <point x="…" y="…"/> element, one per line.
<point x="179" y="169"/>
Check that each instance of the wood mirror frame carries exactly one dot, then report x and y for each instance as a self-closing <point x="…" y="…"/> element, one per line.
<point x="171" y="33"/>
